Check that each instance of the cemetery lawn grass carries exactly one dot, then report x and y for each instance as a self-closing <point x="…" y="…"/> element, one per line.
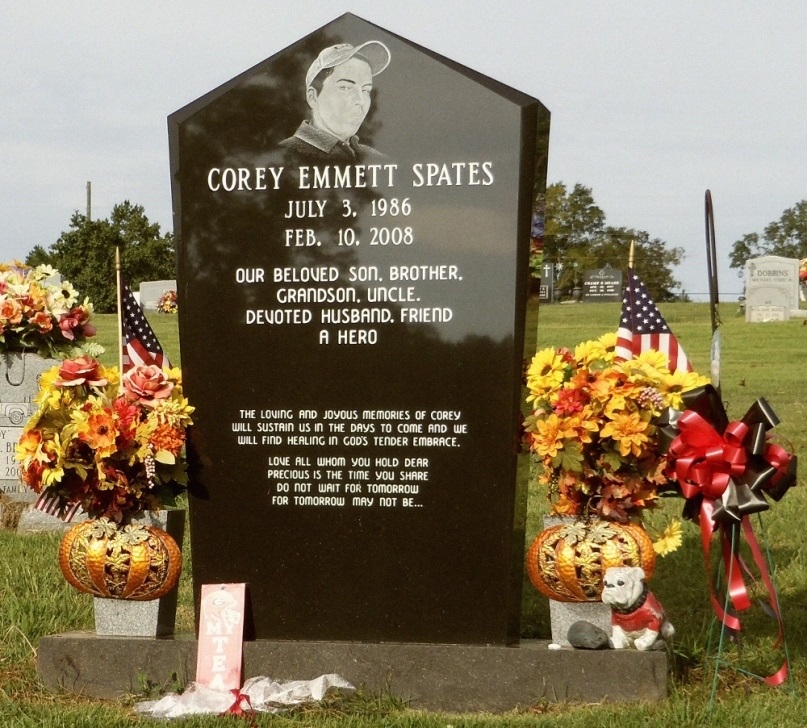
<point x="758" y="360"/>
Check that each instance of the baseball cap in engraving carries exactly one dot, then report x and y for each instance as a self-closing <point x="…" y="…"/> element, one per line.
<point x="373" y="51"/>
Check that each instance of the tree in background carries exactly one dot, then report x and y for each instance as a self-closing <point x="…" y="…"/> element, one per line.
<point x="787" y="237"/>
<point x="576" y="235"/>
<point x="85" y="254"/>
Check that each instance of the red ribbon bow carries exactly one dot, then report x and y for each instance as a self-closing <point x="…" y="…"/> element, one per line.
<point x="723" y="468"/>
<point x="704" y="459"/>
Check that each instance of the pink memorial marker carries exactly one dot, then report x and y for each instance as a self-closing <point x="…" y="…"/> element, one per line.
<point x="221" y="636"/>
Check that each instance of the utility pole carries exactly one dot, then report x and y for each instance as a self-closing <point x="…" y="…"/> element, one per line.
<point x="89" y="200"/>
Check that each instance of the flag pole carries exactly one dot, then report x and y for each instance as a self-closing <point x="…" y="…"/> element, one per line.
<point x="630" y="254"/>
<point x="120" y="317"/>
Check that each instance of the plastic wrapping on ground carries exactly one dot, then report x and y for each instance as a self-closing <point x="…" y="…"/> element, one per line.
<point x="259" y="693"/>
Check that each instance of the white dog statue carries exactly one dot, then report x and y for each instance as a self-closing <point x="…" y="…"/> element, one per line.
<point x="637" y="617"/>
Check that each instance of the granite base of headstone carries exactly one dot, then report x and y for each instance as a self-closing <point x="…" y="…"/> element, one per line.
<point x="152" y="618"/>
<point x="440" y="677"/>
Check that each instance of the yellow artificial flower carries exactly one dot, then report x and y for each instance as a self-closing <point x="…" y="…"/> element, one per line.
<point x="670" y="540"/>
<point x="550" y="435"/>
<point x="676" y="384"/>
<point x="545" y="373"/>
<point x="29" y="448"/>
<point x="49" y="396"/>
<point x="589" y="351"/>
<point x="112" y="375"/>
<point x="53" y="472"/>
<point x="629" y="431"/>
<point x="173" y="412"/>
<point x="647" y="369"/>
<point x="608" y="342"/>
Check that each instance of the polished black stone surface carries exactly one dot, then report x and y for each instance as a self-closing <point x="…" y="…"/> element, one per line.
<point x="351" y="334"/>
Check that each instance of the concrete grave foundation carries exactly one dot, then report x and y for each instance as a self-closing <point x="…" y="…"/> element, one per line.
<point x="460" y="678"/>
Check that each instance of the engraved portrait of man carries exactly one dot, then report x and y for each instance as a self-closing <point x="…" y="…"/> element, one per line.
<point x="338" y="90"/>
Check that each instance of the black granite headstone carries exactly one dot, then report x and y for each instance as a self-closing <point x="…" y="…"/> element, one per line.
<point x="547" y="283"/>
<point x="351" y="322"/>
<point x="602" y="284"/>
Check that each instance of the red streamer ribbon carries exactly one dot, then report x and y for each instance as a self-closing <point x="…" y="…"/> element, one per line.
<point x="723" y="468"/>
<point x="237" y="709"/>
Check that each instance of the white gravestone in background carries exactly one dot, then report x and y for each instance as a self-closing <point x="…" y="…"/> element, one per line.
<point x="771" y="288"/>
<point x="152" y="291"/>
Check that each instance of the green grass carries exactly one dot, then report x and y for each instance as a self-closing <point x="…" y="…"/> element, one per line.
<point x="164" y="325"/>
<point x="758" y="360"/>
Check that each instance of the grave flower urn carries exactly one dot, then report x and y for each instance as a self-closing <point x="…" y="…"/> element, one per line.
<point x="596" y="434"/>
<point x="113" y="446"/>
<point x="41" y="321"/>
<point x="131" y="570"/>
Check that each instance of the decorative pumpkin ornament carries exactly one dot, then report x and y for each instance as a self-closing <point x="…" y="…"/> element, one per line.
<point x="130" y="562"/>
<point x="567" y="562"/>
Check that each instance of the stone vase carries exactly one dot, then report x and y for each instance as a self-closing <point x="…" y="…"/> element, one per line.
<point x="153" y="618"/>
<point x="19" y="384"/>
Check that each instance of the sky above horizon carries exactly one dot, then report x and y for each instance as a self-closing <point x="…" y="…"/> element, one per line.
<point x="652" y="103"/>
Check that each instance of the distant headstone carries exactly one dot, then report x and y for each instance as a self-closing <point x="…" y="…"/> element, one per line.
<point x="19" y="384"/>
<point x="352" y="312"/>
<point x="771" y="288"/>
<point x="602" y="284"/>
<point x="547" y="283"/>
<point x="152" y="291"/>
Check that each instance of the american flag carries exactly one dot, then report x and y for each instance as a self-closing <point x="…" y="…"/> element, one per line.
<point x="139" y="344"/>
<point x="642" y="327"/>
<point x="50" y="503"/>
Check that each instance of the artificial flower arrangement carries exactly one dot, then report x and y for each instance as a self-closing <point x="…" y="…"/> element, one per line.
<point x="594" y="429"/>
<point x="167" y="302"/>
<point x="40" y="316"/>
<point x="803" y="270"/>
<point x="114" y="450"/>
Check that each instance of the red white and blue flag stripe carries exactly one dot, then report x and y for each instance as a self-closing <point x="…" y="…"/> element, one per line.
<point x="51" y="504"/>
<point x="138" y="341"/>
<point x="642" y="328"/>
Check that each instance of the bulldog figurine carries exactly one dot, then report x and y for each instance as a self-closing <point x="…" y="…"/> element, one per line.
<point x="637" y="617"/>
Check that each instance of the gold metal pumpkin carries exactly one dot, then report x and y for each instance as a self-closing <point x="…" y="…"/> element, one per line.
<point x="567" y="562"/>
<point x="130" y="562"/>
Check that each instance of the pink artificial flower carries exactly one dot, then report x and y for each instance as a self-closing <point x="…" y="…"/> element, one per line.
<point x="78" y="371"/>
<point x="147" y="384"/>
<point x="76" y="321"/>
